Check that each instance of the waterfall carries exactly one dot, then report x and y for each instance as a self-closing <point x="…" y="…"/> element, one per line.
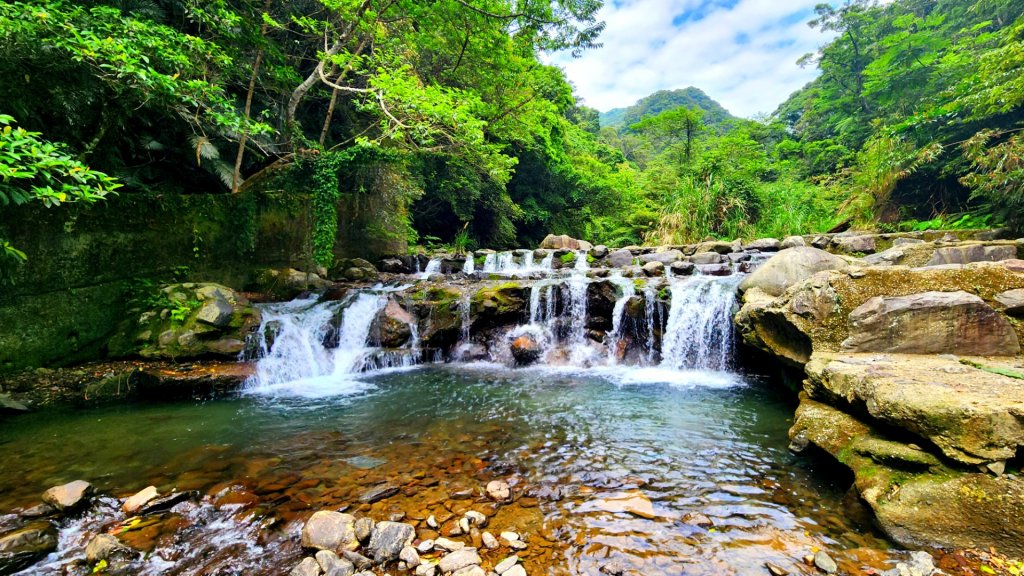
<point x="465" y="312"/>
<point x="650" y="310"/>
<point x="581" y="261"/>
<point x="467" y="268"/>
<point x="698" y="334"/>
<point x="433" y="267"/>
<point x="490" y="263"/>
<point x="292" y="344"/>
<point x="548" y="262"/>
<point x="618" y="313"/>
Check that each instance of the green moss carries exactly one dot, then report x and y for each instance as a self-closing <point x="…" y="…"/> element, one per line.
<point x="569" y="258"/>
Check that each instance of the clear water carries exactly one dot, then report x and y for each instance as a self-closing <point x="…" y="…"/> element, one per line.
<point x="690" y="442"/>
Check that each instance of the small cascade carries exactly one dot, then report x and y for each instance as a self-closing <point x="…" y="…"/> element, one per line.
<point x="433" y="267"/>
<point x="506" y="262"/>
<point x="293" y="342"/>
<point x="467" y="268"/>
<point x="618" y="314"/>
<point x="491" y="263"/>
<point x="698" y="333"/>
<point x="582" y="265"/>
<point x="548" y="262"/>
<point x="577" y="310"/>
<point x="465" y="316"/>
<point x="650" y="312"/>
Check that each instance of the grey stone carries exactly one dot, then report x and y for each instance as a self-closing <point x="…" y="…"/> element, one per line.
<point x="620" y="258"/>
<point x="215" y="312"/>
<point x="666" y="257"/>
<point x="332" y="565"/>
<point x="714" y="269"/>
<point x="789" y="267"/>
<point x="599" y="251"/>
<point x="393" y="266"/>
<point x="766" y="245"/>
<point x="505" y="564"/>
<point x="388" y="540"/>
<point x="854" y="244"/>
<point x="470" y="571"/>
<point x="364" y="529"/>
<point x="410" y="556"/>
<point x="476" y="518"/>
<point x="907" y="241"/>
<point x="329" y="530"/>
<point x="966" y="254"/>
<point x="825" y="563"/>
<point x="706" y="258"/>
<point x="448" y="545"/>
<point x="682" y="268"/>
<point x="490" y="542"/>
<point x="653" y="269"/>
<point x="426" y="570"/>
<point x="308" y="567"/>
<point x="379" y="492"/>
<point x="1013" y="300"/>
<point x="23" y="547"/>
<point x="920" y="564"/>
<point x="793" y="242"/>
<point x="719" y="246"/>
<point x="68" y="496"/>
<point x="105" y="547"/>
<point x="358" y="560"/>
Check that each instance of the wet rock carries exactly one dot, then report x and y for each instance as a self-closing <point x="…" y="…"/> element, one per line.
<point x="682" y="268"/>
<point x="697" y="519"/>
<point x="1013" y="301"/>
<point x="10" y="404"/>
<point x="377" y="493"/>
<point x="106" y="547"/>
<point x="599" y="251"/>
<point x="714" y="269"/>
<point x="706" y="258"/>
<point x="767" y="245"/>
<point x="410" y="556"/>
<point x="476" y="518"/>
<point x="526" y="350"/>
<point x="920" y="564"/>
<point x="332" y="565"/>
<point x="458" y="560"/>
<point x="931" y="323"/>
<point x="965" y="254"/>
<point x="654" y="269"/>
<point x="25" y="546"/>
<point x="135" y="502"/>
<point x="489" y="541"/>
<point x="789" y="267"/>
<point x="632" y="501"/>
<point x="394" y="266"/>
<point x="68" y="496"/>
<point x="42" y="510"/>
<point x="667" y="257"/>
<point x="498" y="490"/>
<point x="393" y="326"/>
<point x="825" y="563"/>
<point x="719" y="246"/>
<point x="308" y="567"/>
<point x="620" y="258"/>
<point x="328" y="530"/>
<point x="364" y="529"/>
<point x="775" y="570"/>
<point x="165" y="503"/>
<point x="356" y="269"/>
<point x="358" y="560"/>
<point x="793" y="242"/>
<point x="388" y="540"/>
<point x="215" y="312"/>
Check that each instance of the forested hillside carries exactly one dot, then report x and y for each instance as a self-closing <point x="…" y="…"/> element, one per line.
<point x="442" y="118"/>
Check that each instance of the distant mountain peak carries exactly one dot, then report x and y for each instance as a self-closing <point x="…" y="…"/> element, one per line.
<point x="662" y="100"/>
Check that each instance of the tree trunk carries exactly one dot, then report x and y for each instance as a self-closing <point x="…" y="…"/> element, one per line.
<point x="236" y="175"/>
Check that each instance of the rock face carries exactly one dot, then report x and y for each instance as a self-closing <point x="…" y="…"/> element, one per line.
<point x="971" y="253"/>
<point x="182" y="321"/>
<point x="287" y="283"/>
<point x="23" y="547"/>
<point x="931" y="323"/>
<point x="789" y="267"/>
<point x="393" y="326"/>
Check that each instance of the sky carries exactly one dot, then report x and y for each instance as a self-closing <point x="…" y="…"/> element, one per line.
<point x="742" y="53"/>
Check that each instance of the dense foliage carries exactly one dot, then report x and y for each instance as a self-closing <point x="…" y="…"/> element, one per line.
<point x="441" y="118"/>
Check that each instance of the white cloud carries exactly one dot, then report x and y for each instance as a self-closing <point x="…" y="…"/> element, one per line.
<point x="742" y="53"/>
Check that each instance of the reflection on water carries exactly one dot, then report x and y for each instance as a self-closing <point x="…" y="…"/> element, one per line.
<point x="569" y="441"/>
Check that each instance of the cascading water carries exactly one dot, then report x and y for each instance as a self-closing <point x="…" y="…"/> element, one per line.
<point x="467" y="268"/>
<point x="698" y="333"/>
<point x="433" y="267"/>
<point x="491" y="263"/>
<point x="618" y="314"/>
<point x="295" y="358"/>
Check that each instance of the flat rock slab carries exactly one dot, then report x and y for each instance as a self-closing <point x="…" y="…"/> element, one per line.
<point x="974" y="415"/>
<point x="632" y="502"/>
<point x="931" y="323"/>
<point x="22" y="547"/>
<point x="68" y="496"/>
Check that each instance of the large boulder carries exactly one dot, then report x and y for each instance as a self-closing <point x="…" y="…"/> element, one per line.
<point x="563" y="242"/>
<point x="917" y="500"/>
<point x="286" y="283"/>
<point x="973" y="415"/>
<point x="817" y="315"/>
<point x="931" y="323"/>
<point x="329" y="530"/>
<point x="789" y="267"/>
<point x="620" y="258"/>
<point x="967" y="253"/>
<point x="864" y="244"/>
<point x="393" y="325"/>
<point x="354" y="269"/>
<point x="666" y="257"/>
<point x="184" y="321"/>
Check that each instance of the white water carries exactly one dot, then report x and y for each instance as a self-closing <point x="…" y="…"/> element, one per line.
<point x="618" y="314"/>
<point x="467" y="268"/>
<point x="517" y="265"/>
<point x="298" y="363"/>
<point x="433" y="267"/>
<point x="698" y="333"/>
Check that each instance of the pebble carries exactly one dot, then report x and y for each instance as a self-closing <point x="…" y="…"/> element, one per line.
<point x="505" y="564"/>
<point x="470" y="571"/>
<point x="433" y="523"/>
<point x="509" y="536"/>
<point x="364" y="529"/>
<point x="426" y="570"/>
<point x="425" y="546"/>
<point x="333" y="565"/>
<point x="476" y="518"/>
<point x="464" y="525"/>
<point x="498" y="490"/>
<point x="516" y="570"/>
<point x="448" y="545"/>
<point x="490" y="542"/>
<point x="775" y="570"/>
<point x="825" y="563"/>
<point x="378" y="493"/>
<point x="409" y="556"/>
